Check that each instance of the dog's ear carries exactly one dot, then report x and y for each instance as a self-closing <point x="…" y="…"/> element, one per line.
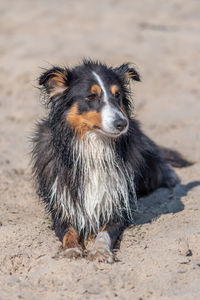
<point x="126" y="72"/>
<point x="55" y="81"/>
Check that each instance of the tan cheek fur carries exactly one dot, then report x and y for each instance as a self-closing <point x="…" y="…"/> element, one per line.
<point x="83" y="122"/>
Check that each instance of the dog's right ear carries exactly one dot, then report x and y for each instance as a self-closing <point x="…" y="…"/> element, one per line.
<point x="55" y="81"/>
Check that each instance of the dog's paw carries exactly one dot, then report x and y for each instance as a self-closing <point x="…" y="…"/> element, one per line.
<point x="72" y="252"/>
<point x="101" y="254"/>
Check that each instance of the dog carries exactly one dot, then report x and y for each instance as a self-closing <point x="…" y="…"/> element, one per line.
<point x="90" y="158"/>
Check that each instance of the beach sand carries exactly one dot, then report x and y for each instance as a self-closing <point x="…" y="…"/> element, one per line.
<point x="159" y="256"/>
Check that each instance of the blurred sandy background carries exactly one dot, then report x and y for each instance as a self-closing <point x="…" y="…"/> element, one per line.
<point x="159" y="257"/>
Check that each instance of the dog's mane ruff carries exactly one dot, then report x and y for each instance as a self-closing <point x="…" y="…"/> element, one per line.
<point x="103" y="189"/>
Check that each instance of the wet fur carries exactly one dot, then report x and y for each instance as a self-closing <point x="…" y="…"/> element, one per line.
<point x="73" y="174"/>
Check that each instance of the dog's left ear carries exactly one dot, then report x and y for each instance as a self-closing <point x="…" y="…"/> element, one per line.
<point x="127" y="73"/>
<point x="55" y="81"/>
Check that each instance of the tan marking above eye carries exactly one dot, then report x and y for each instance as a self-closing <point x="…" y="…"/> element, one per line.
<point x="95" y="89"/>
<point x="83" y="122"/>
<point x="114" y="89"/>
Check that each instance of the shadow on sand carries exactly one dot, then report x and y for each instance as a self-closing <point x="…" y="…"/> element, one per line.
<point x="162" y="201"/>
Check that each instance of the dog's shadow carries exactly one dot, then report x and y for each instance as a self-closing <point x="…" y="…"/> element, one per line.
<point x="162" y="201"/>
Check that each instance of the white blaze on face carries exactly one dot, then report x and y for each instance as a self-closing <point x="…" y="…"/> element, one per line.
<point x="109" y="113"/>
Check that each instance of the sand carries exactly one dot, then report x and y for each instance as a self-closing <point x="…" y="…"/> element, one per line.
<point x="159" y="256"/>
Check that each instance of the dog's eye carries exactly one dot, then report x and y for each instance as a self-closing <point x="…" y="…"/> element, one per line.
<point x="91" y="97"/>
<point x="117" y="94"/>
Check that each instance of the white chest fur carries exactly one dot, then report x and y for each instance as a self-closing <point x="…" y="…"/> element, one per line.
<point x="105" y="185"/>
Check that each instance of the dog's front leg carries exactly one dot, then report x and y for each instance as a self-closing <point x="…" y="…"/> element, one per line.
<point x="104" y="242"/>
<point x="70" y="243"/>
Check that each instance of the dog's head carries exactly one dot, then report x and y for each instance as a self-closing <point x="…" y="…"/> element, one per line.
<point x="91" y="96"/>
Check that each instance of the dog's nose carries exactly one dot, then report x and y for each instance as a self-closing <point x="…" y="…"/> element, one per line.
<point x="120" y="124"/>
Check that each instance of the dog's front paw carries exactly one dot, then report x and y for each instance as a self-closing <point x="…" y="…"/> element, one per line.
<point x="101" y="251"/>
<point x="101" y="254"/>
<point x="72" y="252"/>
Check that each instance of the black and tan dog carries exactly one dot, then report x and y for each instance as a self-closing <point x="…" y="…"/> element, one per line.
<point x="90" y="157"/>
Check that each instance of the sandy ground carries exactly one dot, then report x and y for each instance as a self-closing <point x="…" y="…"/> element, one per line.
<point x="158" y="257"/>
